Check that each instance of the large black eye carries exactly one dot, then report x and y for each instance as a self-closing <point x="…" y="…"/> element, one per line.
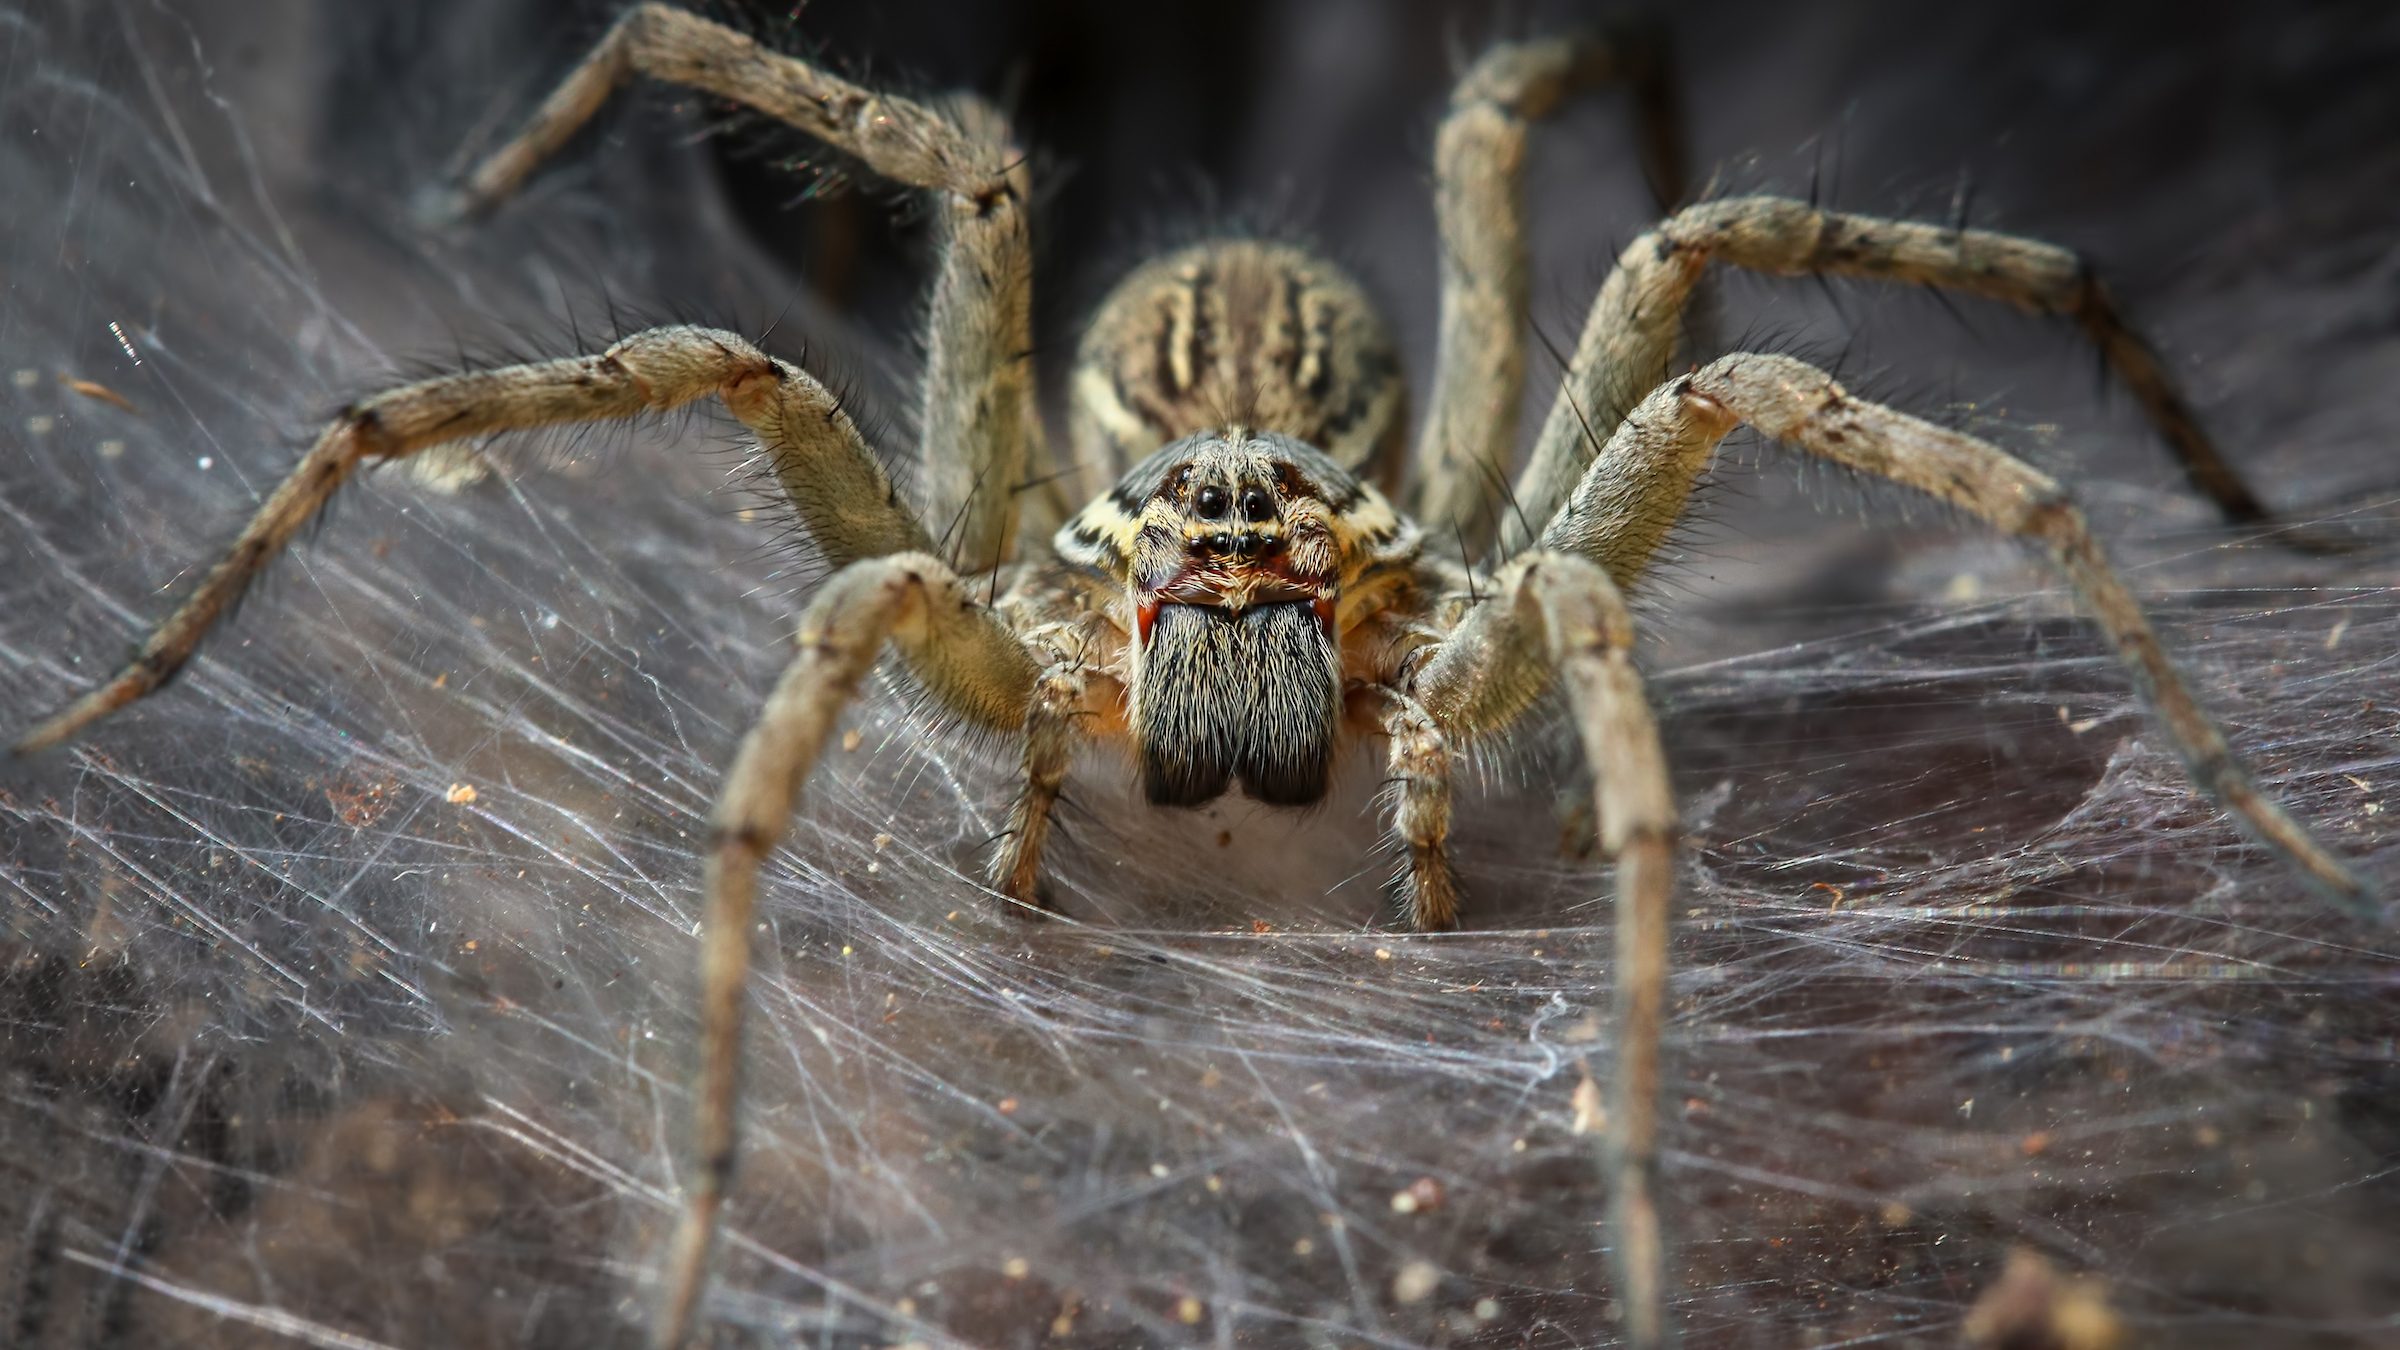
<point x="1256" y="504"/>
<point x="1210" y="503"/>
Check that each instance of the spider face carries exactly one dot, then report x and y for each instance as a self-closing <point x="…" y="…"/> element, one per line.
<point x="1233" y="552"/>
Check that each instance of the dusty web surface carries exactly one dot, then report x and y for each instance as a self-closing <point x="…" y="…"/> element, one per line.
<point x="348" y="992"/>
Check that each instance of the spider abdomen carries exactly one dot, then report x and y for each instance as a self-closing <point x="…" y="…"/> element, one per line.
<point x="1251" y="696"/>
<point x="1240" y="331"/>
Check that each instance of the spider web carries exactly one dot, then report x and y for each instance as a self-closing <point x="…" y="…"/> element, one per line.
<point x="349" y="983"/>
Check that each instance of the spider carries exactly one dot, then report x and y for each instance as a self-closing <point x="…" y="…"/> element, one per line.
<point x="1247" y="600"/>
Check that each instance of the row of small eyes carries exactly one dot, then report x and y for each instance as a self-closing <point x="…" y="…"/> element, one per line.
<point x="1212" y="502"/>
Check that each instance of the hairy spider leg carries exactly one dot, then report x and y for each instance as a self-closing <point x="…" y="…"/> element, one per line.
<point x="1634" y="324"/>
<point x="1552" y="615"/>
<point x="845" y="497"/>
<point x="979" y="429"/>
<point x="979" y="436"/>
<point x="1050" y="741"/>
<point x="1804" y="407"/>
<point x="1469" y="438"/>
<point x="1491" y="670"/>
<point x="961" y="653"/>
<point x="1417" y="793"/>
<point x="970" y="661"/>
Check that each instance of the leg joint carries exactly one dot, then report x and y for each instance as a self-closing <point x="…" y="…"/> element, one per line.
<point x="367" y="432"/>
<point x="745" y="837"/>
<point x="2051" y="515"/>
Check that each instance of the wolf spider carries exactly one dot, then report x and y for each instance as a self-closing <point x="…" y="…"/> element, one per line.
<point x="1247" y="598"/>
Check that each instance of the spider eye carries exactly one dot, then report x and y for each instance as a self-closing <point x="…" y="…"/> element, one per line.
<point x="1257" y="505"/>
<point x="1210" y="504"/>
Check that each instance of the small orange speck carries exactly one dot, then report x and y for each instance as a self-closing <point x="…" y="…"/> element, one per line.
<point x="90" y="389"/>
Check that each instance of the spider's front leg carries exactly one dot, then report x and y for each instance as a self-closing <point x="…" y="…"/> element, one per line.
<point x="971" y="663"/>
<point x="1470" y="431"/>
<point x="1554" y="618"/>
<point x="1635" y="487"/>
<point x="962" y="652"/>
<point x="978" y="428"/>
<point x="1629" y="496"/>
<point x="839" y="488"/>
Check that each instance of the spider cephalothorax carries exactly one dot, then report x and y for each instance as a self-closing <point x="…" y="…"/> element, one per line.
<point x="1248" y="596"/>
